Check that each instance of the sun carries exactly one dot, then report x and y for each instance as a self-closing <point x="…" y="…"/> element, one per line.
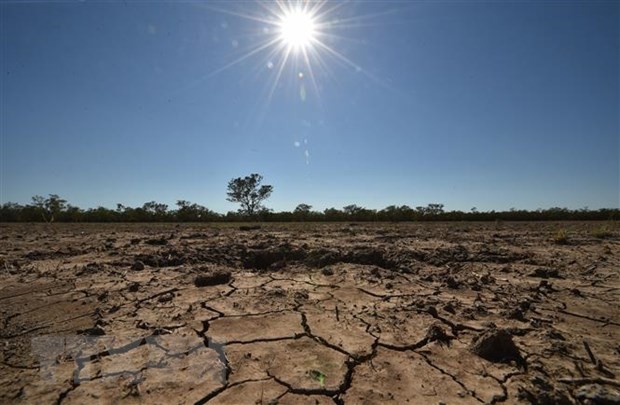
<point x="297" y="29"/>
<point x="295" y="38"/>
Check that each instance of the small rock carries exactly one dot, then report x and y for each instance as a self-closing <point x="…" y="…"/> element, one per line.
<point x="137" y="265"/>
<point x="166" y="297"/>
<point x="327" y="271"/>
<point x="134" y="287"/>
<point x="213" y="278"/>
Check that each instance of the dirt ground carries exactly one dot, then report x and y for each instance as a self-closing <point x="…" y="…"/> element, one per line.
<point x="446" y="313"/>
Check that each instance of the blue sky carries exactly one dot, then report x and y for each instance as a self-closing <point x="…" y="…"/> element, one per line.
<point x="486" y="104"/>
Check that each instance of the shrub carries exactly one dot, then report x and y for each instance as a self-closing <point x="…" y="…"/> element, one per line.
<point x="560" y="237"/>
<point x="602" y="232"/>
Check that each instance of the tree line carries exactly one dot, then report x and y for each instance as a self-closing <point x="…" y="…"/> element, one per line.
<point x="249" y="193"/>
<point x="56" y="209"/>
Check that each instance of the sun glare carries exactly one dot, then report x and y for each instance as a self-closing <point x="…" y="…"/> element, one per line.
<point x="297" y="29"/>
<point x="295" y="38"/>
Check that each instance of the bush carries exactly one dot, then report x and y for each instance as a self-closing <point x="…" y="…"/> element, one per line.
<point x="602" y="232"/>
<point x="560" y="237"/>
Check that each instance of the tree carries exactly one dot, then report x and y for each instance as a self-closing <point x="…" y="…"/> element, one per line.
<point x="435" y="209"/>
<point x="357" y="213"/>
<point x="10" y="212"/>
<point x="156" y="211"/>
<point x="394" y="213"/>
<point x="248" y="192"/>
<point x="352" y="209"/>
<point x="50" y="207"/>
<point x="333" y="214"/>
<point x="302" y="212"/>
<point x="303" y="209"/>
<point x="193" y="212"/>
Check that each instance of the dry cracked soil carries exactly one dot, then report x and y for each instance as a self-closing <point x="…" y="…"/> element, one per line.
<point x="441" y="313"/>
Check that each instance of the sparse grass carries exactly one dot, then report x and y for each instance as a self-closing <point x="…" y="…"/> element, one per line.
<point x="319" y="376"/>
<point x="560" y="237"/>
<point x="602" y="232"/>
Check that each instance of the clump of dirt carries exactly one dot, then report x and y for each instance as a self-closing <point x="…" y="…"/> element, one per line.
<point x="436" y="333"/>
<point x="322" y="257"/>
<point x="214" y="277"/>
<point x="369" y="256"/>
<point x="542" y="272"/>
<point x="443" y="256"/>
<point x="496" y="345"/>
<point x="271" y="258"/>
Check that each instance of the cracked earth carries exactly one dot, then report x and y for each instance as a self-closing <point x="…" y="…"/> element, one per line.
<point x="309" y="314"/>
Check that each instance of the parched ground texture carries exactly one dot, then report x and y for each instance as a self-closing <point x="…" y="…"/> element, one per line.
<point x="438" y="313"/>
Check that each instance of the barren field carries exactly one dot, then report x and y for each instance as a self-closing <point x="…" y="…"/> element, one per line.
<point x="309" y="314"/>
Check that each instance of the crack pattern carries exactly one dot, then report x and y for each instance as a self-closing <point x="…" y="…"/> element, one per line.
<point x="328" y="299"/>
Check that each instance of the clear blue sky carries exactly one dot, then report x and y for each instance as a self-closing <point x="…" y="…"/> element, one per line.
<point x="486" y="104"/>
